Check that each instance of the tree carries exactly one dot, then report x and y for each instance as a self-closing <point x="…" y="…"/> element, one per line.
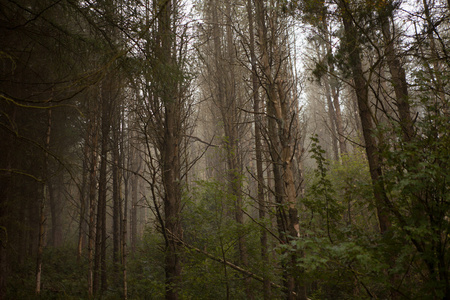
<point x="32" y="85"/>
<point x="258" y="143"/>
<point x="361" y="86"/>
<point x="224" y="90"/>
<point x="282" y="140"/>
<point x="163" y="123"/>
<point x="181" y="135"/>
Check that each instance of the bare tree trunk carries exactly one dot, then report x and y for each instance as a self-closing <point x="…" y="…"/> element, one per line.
<point x="42" y="204"/>
<point x="332" y="118"/>
<point x="280" y="143"/>
<point x="83" y="200"/>
<point x="338" y="115"/>
<point x="172" y="199"/>
<point x="172" y="205"/>
<point x="398" y="81"/>
<point x="230" y="115"/>
<point x="93" y="144"/>
<point x="124" y="161"/>
<point x="436" y="71"/>
<point x="4" y="197"/>
<point x="55" y="210"/>
<point x="135" y="167"/>
<point x="100" y="279"/>
<point x="225" y="98"/>
<point x="258" y="152"/>
<point x="40" y="241"/>
<point x="124" y="235"/>
<point x="3" y="245"/>
<point x="116" y="189"/>
<point x="333" y="84"/>
<point x="6" y="150"/>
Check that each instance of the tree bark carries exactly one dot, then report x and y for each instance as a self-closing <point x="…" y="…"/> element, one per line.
<point x="169" y="147"/>
<point x="136" y="164"/>
<point x="100" y="275"/>
<point x="281" y="144"/>
<point x="230" y="118"/>
<point x="55" y="209"/>
<point x="93" y="145"/>
<point x="332" y="118"/>
<point x="365" y="114"/>
<point x="334" y="88"/>
<point x="436" y="72"/>
<point x="338" y="115"/>
<point x="124" y="236"/>
<point x="116" y="188"/>
<point x="399" y="82"/>
<point x="258" y="151"/>
<point x="84" y="203"/>
<point x="42" y="203"/>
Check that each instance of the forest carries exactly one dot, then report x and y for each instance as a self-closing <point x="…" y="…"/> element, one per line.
<point x="224" y="149"/>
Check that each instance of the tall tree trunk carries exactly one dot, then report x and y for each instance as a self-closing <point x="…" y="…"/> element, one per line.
<point x="437" y="76"/>
<point x="46" y="179"/>
<point x="116" y="189"/>
<point x="100" y="279"/>
<point x="258" y="152"/>
<point x="5" y="181"/>
<point x="281" y="143"/>
<point x="126" y="177"/>
<point x="169" y="148"/>
<point x="332" y="118"/>
<point x="399" y="82"/>
<point x="135" y="162"/>
<point x="54" y="193"/>
<point x="4" y="185"/>
<point x="333" y="84"/>
<point x="40" y="240"/>
<point x="93" y="161"/>
<point x="365" y="114"/>
<point x="6" y="151"/>
<point x="436" y="71"/>
<point x="134" y="178"/>
<point x="230" y="117"/>
<point x="226" y="101"/>
<point x="82" y="221"/>
<point x="338" y="115"/>
<point x="172" y="204"/>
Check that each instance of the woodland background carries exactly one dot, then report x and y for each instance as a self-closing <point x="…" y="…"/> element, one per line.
<point x="241" y="149"/>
